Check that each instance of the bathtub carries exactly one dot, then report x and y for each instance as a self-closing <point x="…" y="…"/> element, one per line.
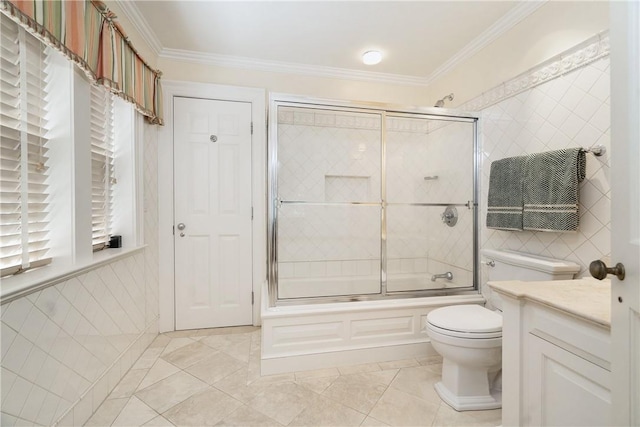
<point x="317" y="336"/>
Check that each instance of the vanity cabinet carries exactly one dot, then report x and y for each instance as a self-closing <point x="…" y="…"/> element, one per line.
<point x="565" y="389"/>
<point x="556" y="363"/>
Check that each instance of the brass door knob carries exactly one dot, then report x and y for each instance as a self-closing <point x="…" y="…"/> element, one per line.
<point x="599" y="270"/>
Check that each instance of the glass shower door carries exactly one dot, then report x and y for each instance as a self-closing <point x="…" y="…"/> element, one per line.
<point x="328" y="205"/>
<point x="429" y="168"/>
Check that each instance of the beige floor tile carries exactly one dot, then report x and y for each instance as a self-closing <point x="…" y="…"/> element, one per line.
<point x="159" y="371"/>
<point x="430" y="360"/>
<point x="175" y="344"/>
<point x="283" y="402"/>
<point x="355" y="392"/>
<point x="245" y="416"/>
<point x="418" y="382"/>
<point x="159" y="421"/>
<point x="161" y="341"/>
<point x="148" y="358"/>
<point x="317" y="384"/>
<point x="271" y="379"/>
<point x="398" y="408"/>
<point x="128" y="384"/>
<point x="397" y="393"/>
<point x="447" y="416"/>
<point x="220" y="342"/>
<point x="372" y="422"/>
<point x="215" y="367"/>
<point x="135" y="413"/>
<point x="214" y="331"/>
<point x="189" y="355"/>
<point x="235" y="345"/>
<point x="170" y="391"/>
<point x="329" y="372"/>
<point x="182" y="334"/>
<point x="106" y="414"/>
<point x="203" y="409"/>
<point x="240" y="351"/>
<point x="325" y="412"/>
<point x="381" y="377"/>
<point x="236" y="386"/>
<point x="254" y="367"/>
<point x="359" y="369"/>
<point x="437" y="368"/>
<point x="244" y="329"/>
<point x="395" y="364"/>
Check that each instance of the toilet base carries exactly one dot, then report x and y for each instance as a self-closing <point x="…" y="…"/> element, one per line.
<point x="469" y="403"/>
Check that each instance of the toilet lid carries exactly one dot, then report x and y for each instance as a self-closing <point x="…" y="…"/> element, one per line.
<point x="466" y="318"/>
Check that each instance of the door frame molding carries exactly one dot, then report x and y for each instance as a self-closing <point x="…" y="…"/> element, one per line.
<point x="166" y="279"/>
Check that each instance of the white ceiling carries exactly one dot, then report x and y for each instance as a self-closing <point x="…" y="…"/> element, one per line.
<point x="419" y="39"/>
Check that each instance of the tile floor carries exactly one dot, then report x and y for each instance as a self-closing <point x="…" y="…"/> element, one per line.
<point x="212" y="377"/>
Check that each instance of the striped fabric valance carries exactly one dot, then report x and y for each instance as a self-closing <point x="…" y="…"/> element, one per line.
<point x="87" y="33"/>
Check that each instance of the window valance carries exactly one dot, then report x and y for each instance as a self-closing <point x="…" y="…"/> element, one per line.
<point x="88" y="34"/>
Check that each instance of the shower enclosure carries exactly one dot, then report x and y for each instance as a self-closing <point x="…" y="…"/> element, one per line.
<point x="370" y="202"/>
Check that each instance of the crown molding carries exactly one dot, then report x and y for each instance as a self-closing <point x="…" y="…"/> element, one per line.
<point x="140" y="24"/>
<point x="230" y="61"/>
<point x="508" y="21"/>
<point x="501" y="26"/>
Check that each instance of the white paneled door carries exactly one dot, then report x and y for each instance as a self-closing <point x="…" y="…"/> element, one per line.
<point x="212" y="213"/>
<point x="625" y="201"/>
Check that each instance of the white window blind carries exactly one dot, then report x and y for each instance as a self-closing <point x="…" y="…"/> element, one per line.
<point x="24" y="195"/>
<point x="102" y="168"/>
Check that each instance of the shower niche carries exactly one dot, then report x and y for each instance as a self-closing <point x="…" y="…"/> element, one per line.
<point x="357" y="195"/>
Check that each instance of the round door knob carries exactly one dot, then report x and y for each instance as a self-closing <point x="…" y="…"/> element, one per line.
<point x="599" y="270"/>
<point x="181" y="226"/>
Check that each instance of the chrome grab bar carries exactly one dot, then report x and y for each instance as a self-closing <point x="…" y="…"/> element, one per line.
<point x="448" y="275"/>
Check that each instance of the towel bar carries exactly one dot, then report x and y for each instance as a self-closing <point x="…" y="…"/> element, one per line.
<point x="597" y="150"/>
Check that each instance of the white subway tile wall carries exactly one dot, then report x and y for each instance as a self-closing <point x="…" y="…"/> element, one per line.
<point x="66" y="347"/>
<point x="570" y="111"/>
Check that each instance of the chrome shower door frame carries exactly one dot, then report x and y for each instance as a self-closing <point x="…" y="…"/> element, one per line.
<point x="384" y="110"/>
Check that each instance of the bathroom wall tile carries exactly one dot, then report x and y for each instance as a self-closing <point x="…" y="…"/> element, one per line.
<point x="71" y="340"/>
<point x="7" y="335"/>
<point x="574" y="110"/>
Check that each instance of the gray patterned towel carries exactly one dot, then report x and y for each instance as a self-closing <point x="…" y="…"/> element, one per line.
<point x="504" y="204"/>
<point x="551" y="183"/>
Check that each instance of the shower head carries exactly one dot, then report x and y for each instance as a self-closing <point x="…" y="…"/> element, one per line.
<point x="440" y="102"/>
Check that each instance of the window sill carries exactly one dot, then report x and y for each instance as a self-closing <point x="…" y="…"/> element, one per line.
<point x="31" y="281"/>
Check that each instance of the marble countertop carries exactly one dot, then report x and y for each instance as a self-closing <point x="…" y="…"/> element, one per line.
<point x="588" y="299"/>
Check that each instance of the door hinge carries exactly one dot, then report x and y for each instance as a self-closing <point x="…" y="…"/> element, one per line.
<point x="252" y="213"/>
<point x="251" y="128"/>
<point x="251" y="298"/>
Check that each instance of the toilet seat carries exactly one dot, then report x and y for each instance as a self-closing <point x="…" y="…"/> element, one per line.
<point x="466" y="321"/>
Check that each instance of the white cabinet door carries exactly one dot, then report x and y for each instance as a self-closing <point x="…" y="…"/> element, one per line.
<point x="625" y="202"/>
<point x="212" y="196"/>
<point x="564" y="389"/>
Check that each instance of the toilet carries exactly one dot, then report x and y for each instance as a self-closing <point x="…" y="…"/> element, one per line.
<point x="469" y="337"/>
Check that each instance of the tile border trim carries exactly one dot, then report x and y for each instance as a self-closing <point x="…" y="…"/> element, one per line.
<point x="590" y="50"/>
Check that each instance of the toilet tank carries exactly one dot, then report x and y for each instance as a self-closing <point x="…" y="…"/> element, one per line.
<point x="511" y="265"/>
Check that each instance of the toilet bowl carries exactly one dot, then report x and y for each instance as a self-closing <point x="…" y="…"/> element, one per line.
<point x="469" y="339"/>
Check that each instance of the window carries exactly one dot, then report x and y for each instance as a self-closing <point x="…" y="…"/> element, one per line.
<point x="102" y="167"/>
<point x="62" y="140"/>
<point x="23" y="150"/>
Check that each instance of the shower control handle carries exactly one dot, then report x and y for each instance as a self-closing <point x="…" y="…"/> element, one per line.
<point x="450" y="216"/>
